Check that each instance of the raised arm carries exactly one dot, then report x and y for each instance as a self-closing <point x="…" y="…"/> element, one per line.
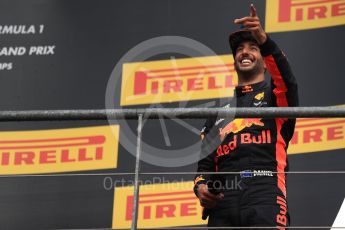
<point x="284" y="85"/>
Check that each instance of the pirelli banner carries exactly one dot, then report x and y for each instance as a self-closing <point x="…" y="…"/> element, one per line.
<point x="160" y="205"/>
<point x="197" y="78"/>
<point x="59" y="150"/>
<point x="319" y="134"/>
<point x="288" y="15"/>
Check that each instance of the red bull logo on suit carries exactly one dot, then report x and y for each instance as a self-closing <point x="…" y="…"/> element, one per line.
<point x="237" y="126"/>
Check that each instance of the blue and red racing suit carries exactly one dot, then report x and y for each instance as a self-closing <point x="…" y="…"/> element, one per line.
<point x="254" y="147"/>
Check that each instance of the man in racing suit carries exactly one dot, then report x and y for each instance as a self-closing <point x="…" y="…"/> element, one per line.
<point x="253" y="147"/>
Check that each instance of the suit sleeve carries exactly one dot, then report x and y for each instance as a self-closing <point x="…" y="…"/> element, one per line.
<point x="207" y="156"/>
<point x="283" y="82"/>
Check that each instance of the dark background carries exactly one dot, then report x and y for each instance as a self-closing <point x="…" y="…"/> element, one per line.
<point x="90" y="37"/>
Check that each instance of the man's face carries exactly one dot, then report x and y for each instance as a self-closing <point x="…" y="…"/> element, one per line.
<point x="248" y="60"/>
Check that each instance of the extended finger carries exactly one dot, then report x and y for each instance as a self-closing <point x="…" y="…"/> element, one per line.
<point x="252" y="10"/>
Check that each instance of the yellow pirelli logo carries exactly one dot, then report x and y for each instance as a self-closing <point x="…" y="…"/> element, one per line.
<point x="59" y="150"/>
<point x="288" y="15"/>
<point x="160" y="205"/>
<point x="178" y="80"/>
<point x="318" y="134"/>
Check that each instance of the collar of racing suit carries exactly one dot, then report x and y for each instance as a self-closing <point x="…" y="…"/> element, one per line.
<point x="244" y="89"/>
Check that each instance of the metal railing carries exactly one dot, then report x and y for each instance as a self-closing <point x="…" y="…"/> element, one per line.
<point x="182" y="113"/>
<point x="185" y="113"/>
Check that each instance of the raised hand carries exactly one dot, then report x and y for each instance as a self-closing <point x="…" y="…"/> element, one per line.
<point x="252" y="23"/>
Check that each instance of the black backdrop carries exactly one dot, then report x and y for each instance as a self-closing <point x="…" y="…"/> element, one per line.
<point x="90" y="37"/>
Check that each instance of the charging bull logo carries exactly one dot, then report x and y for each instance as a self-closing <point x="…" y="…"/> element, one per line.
<point x="238" y="125"/>
<point x="260" y="96"/>
<point x="259" y="100"/>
